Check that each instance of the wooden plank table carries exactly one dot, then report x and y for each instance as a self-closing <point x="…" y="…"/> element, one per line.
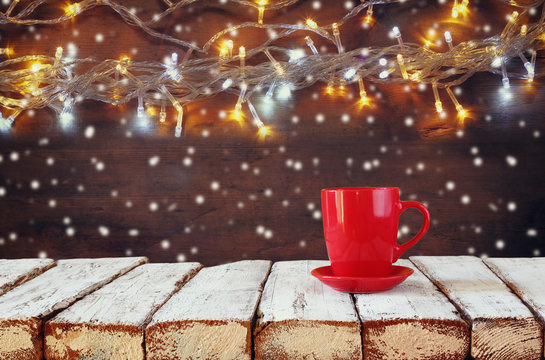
<point x="300" y="318"/>
<point x="18" y="271"/>
<point x="502" y="327"/>
<point x="110" y="323"/>
<point x="211" y="317"/>
<point x="525" y="277"/>
<point x="123" y="309"/>
<point x="23" y="309"/>
<point x="412" y="321"/>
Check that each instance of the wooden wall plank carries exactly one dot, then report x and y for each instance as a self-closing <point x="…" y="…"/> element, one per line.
<point x="502" y="327"/>
<point x="23" y="309"/>
<point x="412" y="321"/>
<point x="210" y="317"/>
<point x="110" y="323"/>
<point x="300" y="318"/>
<point x="15" y="272"/>
<point x="525" y="277"/>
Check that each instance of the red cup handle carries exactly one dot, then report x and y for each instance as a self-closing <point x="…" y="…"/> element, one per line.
<point x="400" y="249"/>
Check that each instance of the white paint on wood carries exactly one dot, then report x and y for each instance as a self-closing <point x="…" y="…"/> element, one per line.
<point x="210" y="317"/>
<point x="22" y="308"/>
<point x="17" y="271"/>
<point x="502" y="326"/>
<point x="414" y="320"/>
<point x="525" y="277"/>
<point x="109" y="323"/>
<point x="299" y="317"/>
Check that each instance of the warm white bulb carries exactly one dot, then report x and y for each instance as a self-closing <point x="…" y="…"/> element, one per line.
<point x="384" y="74"/>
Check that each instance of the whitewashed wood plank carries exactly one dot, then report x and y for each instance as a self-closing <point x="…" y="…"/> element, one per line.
<point x="414" y="320"/>
<point x="300" y="318"/>
<point x="17" y="271"/>
<point x="502" y="327"/>
<point x="525" y="277"/>
<point x="210" y="317"/>
<point x="23" y="309"/>
<point x="110" y="322"/>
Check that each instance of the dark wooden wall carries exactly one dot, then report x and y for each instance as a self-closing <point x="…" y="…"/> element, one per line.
<point x="261" y="199"/>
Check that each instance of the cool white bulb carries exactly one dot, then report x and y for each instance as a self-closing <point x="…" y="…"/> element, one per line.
<point x="227" y="84"/>
<point x="350" y="73"/>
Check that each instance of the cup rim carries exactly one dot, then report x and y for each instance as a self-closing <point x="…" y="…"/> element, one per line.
<point x="365" y="188"/>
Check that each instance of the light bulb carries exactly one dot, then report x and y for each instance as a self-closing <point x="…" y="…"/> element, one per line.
<point x="227" y="84"/>
<point x="350" y="73"/>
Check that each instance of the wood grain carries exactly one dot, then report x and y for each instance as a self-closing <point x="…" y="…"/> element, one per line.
<point x="412" y="321"/>
<point x="525" y="277"/>
<point x="24" y="309"/>
<point x="211" y="317"/>
<point x="300" y="318"/>
<point x="110" y="322"/>
<point x="16" y="272"/>
<point x="502" y="327"/>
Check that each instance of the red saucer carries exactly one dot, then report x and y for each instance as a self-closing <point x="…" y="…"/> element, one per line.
<point x="362" y="284"/>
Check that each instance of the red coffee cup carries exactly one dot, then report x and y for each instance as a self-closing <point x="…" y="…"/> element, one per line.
<point x="360" y="228"/>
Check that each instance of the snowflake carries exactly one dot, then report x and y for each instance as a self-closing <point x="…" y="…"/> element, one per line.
<point x="153" y="161"/>
<point x="103" y="230"/>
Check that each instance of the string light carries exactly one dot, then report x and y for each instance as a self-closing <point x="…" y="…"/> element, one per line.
<point x="229" y="45"/>
<point x="336" y="35"/>
<point x="533" y="63"/>
<point x="284" y="92"/>
<point x="140" y="109"/>
<point x="296" y="54"/>
<point x="402" y="67"/>
<point x="504" y="77"/>
<point x="310" y="44"/>
<point x="350" y="73"/>
<point x="455" y="9"/>
<point x="51" y="80"/>
<point x="227" y="84"/>
<point x="243" y="88"/>
<point x="276" y="64"/>
<point x="448" y="39"/>
<point x="242" y="56"/>
<point x="369" y="14"/>
<point x="173" y="68"/>
<point x="397" y="35"/>
<point x="463" y="8"/>
<point x="163" y="114"/>
<point x="7" y="123"/>
<point x="6" y="51"/>
<point x="255" y="116"/>
<point x="438" y="103"/>
<point x="311" y="24"/>
<point x="385" y="73"/>
<point x="72" y="9"/>
<point x="270" y="92"/>
<point x="528" y="66"/>
<point x="462" y="113"/>
<point x="364" y="100"/>
<point x="261" y="9"/>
